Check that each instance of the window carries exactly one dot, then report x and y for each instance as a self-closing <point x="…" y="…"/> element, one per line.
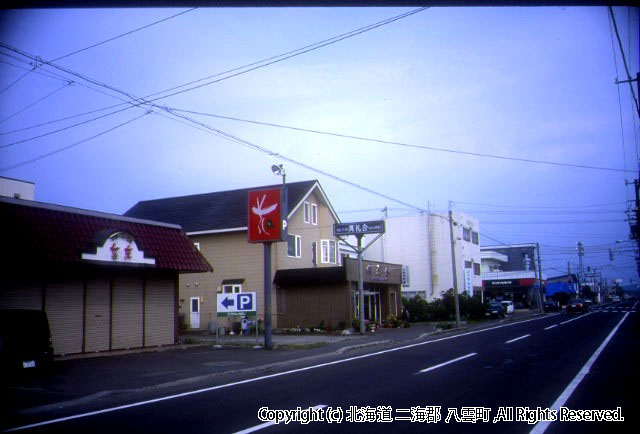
<point x="328" y="251"/>
<point x="307" y="213"/>
<point x="467" y="264"/>
<point x="466" y="234"/>
<point x="314" y="253"/>
<point x="475" y="238"/>
<point x="476" y="269"/>
<point x="231" y="289"/>
<point x="314" y="214"/>
<point x="294" y="246"/>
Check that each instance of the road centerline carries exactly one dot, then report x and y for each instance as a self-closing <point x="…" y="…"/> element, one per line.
<point x="440" y="365"/>
<point x="551" y="326"/>
<point x="517" y="339"/>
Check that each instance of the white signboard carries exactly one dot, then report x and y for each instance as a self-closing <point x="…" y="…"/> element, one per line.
<point x="468" y="281"/>
<point x="119" y="247"/>
<point x="239" y="303"/>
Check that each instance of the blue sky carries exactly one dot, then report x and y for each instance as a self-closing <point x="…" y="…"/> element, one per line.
<point x="529" y="83"/>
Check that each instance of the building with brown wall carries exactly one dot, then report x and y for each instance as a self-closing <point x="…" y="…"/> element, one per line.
<point x="312" y="296"/>
<point x="105" y="281"/>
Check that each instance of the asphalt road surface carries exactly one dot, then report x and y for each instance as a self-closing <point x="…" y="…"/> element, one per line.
<point x="476" y="381"/>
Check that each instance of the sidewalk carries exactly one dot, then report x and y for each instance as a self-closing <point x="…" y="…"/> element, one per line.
<point x="82" y="379"/>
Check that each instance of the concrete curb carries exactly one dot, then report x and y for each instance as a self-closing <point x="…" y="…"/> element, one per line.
<point x="360" y="346"/>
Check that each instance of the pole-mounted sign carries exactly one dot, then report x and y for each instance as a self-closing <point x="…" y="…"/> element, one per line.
<point x="240" y="303"/>
<point x="265" y="225"/>
<point x="265" y="215"/>
<point x="360" y="228"/>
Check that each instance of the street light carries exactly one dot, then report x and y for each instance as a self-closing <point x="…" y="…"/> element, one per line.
<point x="279" y="170"/>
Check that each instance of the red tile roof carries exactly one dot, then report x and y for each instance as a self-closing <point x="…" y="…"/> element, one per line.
<point x="39" y="233"/>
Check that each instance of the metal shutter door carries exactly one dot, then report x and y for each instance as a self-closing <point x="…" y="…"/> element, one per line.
<point x="63" y="304"/>
<point x="127" y="313"/>
<point x="14" y="295"/>
<point x="97" y="315"/>
<point x="160" y="311"/>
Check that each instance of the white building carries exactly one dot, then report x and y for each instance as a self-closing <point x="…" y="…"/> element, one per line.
<point x="17" y="188"/>
<point x="422" y="244"/>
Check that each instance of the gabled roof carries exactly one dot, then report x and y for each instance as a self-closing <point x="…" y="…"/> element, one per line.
<point x="218" y="211"/>
<point x="40" y="234"/>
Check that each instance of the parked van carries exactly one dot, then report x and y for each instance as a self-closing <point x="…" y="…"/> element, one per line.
<point x="508" y="305"/>
<point x="25" y="340"/>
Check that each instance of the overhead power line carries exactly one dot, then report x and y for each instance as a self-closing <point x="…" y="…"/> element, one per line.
<point x="16" y="80"/>
<point x="407" y="145"/>
<point x="284" y="56"/>
<point x="122" y="35"/>
<point x="624" y="60"/>
<point x="65" y="148"/>
<point x="37" y="101"/>
<point x="559" y="222"/>
<point x="271" y="60"/>
<point x="540" y="206"/>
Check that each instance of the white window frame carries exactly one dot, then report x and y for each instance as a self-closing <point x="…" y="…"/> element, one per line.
<point x="297" y="247"/>
<point x="234" y="288"/>
<point x="307" y="212"/>
<point x="325" y="252"/>
<point x="314" y="214"/>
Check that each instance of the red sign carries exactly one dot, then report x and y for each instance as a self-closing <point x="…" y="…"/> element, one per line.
<point x="265" y="216"/>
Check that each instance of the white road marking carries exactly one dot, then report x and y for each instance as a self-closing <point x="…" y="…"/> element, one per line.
<point x="550" y="327"/>
<point x="517" y="339"/>
<point x="576" y="318"/>
<point x="446" y="363"/>
<point x="268" y="424"/>
<point x="265" y="377"/>
<point x="566" y="394"/>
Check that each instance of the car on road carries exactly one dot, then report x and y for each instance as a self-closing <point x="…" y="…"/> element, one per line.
<point x="577" y="306"/>
<point x="551" y="306"/>
<point x="508" y="306"/>
<point x="25" y="340"/>
<point x="495" y="310"/>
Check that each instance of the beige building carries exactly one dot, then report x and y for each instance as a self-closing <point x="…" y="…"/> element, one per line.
<point x="217" y="224"/>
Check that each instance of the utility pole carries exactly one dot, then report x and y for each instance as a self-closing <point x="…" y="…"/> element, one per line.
<point x="540" y="305"/>
<point x="453" y="267"/>
<point x="580" y="263"/>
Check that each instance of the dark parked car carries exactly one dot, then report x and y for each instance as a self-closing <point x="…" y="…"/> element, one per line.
<point x="551" y="306"/>
<point x="25" y="340"/>
<point x="495" y="310"/>
<point x="577" y="306"/>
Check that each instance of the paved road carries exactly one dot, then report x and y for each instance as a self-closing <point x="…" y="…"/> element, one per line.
<point x="481" y="373"/>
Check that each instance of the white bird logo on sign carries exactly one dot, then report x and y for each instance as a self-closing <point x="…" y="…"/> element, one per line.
<point x="261" y="212"/>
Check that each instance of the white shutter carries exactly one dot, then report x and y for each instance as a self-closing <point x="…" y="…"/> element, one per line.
<point x="19" y="295"/>
<point x="97" y="315"/>
<point x="63" y="304"/>
<point x="159" y="312"/>
<point x="126" y="330"/>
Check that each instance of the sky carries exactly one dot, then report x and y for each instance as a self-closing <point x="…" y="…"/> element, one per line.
<point x="440" y="84"/>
